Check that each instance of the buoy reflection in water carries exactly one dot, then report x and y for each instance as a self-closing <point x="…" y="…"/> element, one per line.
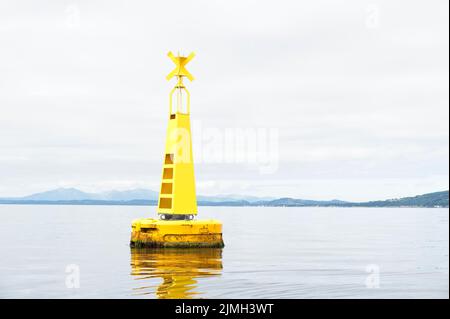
<point x="178" y="269"/>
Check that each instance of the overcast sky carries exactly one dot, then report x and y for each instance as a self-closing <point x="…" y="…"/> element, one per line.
<point x="349" y="97"/>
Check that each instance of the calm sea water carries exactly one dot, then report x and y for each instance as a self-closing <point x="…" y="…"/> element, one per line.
<point x="83" y="252"/>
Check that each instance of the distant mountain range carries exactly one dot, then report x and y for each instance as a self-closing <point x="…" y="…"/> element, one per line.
<point x="146" y="197"/>
<point x="73" y="194"/>
<point x="63" y="194"/>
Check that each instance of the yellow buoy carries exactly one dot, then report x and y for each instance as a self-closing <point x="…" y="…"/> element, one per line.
<point x="177" y="204"/>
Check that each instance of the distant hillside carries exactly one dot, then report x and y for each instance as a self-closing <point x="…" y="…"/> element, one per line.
<point x="143" y="197"/>
<point x="71" y="194"/>
<point x="438" y="199"/>
<point x="59" y="194"/>
<point x="232" y="198"/>
<point x="302" y="202"/>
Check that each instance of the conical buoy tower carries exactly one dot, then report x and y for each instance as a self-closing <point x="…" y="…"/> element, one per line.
<point x="177" y="204"/>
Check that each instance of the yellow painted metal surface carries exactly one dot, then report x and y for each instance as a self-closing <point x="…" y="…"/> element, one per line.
<point x="180" y="63"/>
<point x="177" y="203"/>
<point x="150" y="232"/>
<point x="177" y="192"/>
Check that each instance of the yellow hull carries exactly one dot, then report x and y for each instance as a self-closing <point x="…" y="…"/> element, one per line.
<point x="150" y="232"/>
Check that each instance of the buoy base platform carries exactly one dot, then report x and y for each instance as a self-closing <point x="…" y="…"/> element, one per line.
<point x="150" y="232"/>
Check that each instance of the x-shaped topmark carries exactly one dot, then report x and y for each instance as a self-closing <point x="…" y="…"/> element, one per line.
<point x="180" y="62"/>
